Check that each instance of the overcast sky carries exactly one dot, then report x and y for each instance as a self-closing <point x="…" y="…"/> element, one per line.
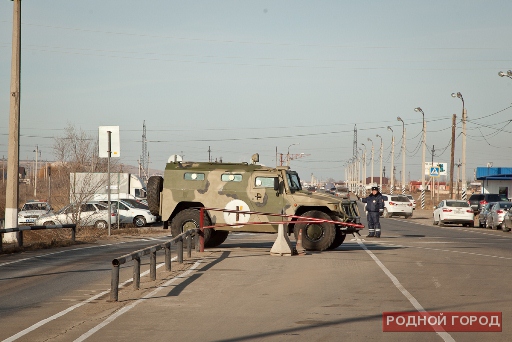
<point x="243" y="77"/>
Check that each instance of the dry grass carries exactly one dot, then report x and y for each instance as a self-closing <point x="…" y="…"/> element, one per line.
<point x="51" y="238"/>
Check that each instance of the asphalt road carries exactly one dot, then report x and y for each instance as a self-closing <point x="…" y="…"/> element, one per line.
<point x="238" y="292"/>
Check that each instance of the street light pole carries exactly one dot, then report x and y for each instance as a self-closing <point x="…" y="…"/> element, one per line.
<point x="464" y="117"/>
<point x="288" y="154"/>
<point x="364" y="170"/>
<point x="381" y="147"/>
<point x="35" y="173"/>
<point x="371" y="175"/>
<point x="403" y="155"/>
<point x="392" y="183"/>
<point x="418" y="109"/>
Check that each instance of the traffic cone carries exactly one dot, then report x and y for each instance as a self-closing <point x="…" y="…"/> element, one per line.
<point x="300" y="250"/>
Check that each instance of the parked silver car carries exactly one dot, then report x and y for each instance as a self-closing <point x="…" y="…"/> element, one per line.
<point x="497" y="214"/>
<point x="87" y="214"/>
<point x="507" y="222"/>
<point x="132" y="212"/>
<point x="482" y="216"/>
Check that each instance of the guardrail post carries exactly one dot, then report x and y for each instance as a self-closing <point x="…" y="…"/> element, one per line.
<point x="1" y="242"/>
<point x="196" y="240"/>
<point x="114" y="285"/>
<point x="73" y="233"/>
<point x="136" y="273"/>
<point x="152" y="265"/>
<point x="189" y="246"/>
<point x="166" y="224"/>
<point x="20" y="238"/>
<point x="180" y="250"/>
<point x="168" y="257"/>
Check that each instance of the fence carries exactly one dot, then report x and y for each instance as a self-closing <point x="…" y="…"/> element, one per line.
<point x="178" y="240"/>
<point x="24" y="228"/>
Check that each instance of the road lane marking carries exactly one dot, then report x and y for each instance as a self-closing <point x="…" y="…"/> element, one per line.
<point x="68" y="310"/>
<point x="440" y="331"/>
<point x="125" y="309"/>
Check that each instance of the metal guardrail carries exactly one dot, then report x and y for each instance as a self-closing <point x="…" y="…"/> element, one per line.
<point x="24" y="228"/>
<point x="136" y="256"/>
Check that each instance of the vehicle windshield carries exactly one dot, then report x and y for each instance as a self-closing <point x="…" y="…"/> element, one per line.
<point x="34" y="206"/>
<point x="505" y="205"/>
<point x="400" y="199"/>
<point x="460" y="204"/>
<point x="132" y="203"/>
<point x="293" y="181"/>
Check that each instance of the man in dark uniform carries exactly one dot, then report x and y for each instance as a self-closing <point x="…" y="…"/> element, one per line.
<point x="374" y="204"/>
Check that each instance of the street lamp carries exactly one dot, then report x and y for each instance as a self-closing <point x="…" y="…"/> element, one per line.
<point x="392" y="183"/>
<point x="381" y="146"/>
<point x="371" y="175"/>
<point x="288" y="154"/>
<point x="464" y="117"/>
<point x="403" y="154"/>
<point x="418" y="109"/>
<point x="360" y="171"/>
<point x="502" y="74"/>
<point x="35" y="172"/>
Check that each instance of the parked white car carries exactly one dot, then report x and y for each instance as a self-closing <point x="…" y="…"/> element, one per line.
<point x="454" y="211"/>
<point x="88" y="214"/>
<point x="494" y="219"/>
<point x="131" y="211"/>
<point x="31" y="211"/>
<point x="413" y="201"/>
<point x="397" y="205"/>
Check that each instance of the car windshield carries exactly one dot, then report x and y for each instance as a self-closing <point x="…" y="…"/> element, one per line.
<point x="34" y="206"/>
<point x="505" y="205"/>
<point x="460" y="204"/>
<point x="293" y="181"/>
<point x="134" y="204"/>
<point x="399" y="199"/>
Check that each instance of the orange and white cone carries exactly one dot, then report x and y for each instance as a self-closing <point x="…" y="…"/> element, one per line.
<point x="300" y="250"/>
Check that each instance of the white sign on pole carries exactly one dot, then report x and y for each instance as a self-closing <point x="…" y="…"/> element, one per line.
<point x="443" y="168"/>
<point x="114" y="141"/>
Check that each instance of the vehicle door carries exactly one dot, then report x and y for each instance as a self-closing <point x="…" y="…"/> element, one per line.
<point x="125" y="213"/>
<point x="264" y="197"/>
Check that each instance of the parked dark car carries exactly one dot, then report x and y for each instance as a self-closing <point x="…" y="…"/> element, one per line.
<point x="476" y="201"/>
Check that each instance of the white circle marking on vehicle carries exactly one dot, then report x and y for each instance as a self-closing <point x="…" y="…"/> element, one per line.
<point x="232" y="218"/>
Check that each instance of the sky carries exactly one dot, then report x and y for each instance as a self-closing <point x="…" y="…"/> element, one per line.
<point x="245" y="77"/>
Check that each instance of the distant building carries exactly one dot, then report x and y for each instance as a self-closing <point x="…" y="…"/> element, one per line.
<point x="495" y="180"/>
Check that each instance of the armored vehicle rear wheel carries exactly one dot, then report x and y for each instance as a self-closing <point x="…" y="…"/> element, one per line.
<point x="154" y="188"/>
<point x="217" y="237"/>
<point x="189" y="219"/>
<point x="316" y="236"/>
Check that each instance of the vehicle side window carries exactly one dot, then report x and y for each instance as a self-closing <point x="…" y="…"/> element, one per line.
<point x="194" y="176"/>
<point x="123" y="207"/>
<point x="264" y="182"/>
<point x="229" y="177"/>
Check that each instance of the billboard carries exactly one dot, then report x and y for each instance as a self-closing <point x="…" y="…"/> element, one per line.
<point x="443" y="168"/>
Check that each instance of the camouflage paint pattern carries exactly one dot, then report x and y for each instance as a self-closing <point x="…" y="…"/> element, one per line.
<point x="235" y="186"/>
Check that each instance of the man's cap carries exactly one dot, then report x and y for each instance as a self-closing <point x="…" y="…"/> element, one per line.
<point x="375" y="188"/>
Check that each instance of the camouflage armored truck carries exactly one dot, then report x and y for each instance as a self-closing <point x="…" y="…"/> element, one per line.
<point x="245" y="187"/>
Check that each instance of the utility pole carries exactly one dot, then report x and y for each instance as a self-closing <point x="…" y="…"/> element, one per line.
<point x="35" y="173"/>
<point x="209" y="155"/>
<point x="13" y="157"/>
<point x="433" y="179"/>
<point x="392" y="184"/>
<point x="464" y="117"/>
<point x="381" y="147"/>
<point x="454" y="124"/>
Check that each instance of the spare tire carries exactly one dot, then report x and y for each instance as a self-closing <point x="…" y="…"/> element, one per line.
<point x="154" y="188"/>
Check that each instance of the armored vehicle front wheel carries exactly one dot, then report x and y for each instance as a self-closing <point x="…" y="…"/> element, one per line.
<point x="217" y="237"/>
<point x="189" y="219"/>
<point x="315" y="236"/>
